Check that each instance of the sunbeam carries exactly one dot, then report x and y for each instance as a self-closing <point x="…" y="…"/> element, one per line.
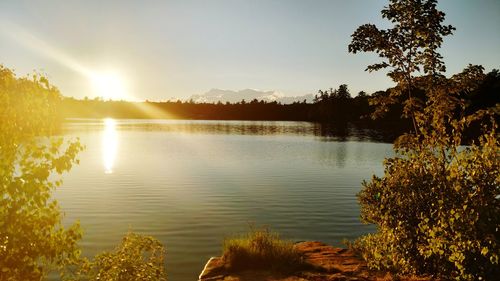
<point x="108" y="84"/>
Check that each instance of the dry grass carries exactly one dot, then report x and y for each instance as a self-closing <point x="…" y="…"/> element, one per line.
<point x="261" y="249"/>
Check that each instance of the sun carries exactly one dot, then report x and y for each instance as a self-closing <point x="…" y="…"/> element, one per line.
<point x="108" y="85"/>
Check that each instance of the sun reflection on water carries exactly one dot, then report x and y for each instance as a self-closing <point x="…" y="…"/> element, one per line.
<point x="109" y="145"/>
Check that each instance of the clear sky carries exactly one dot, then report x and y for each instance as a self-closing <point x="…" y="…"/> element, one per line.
<point x="165" y="49"/>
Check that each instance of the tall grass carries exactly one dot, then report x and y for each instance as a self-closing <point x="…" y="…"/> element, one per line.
<point x="262" y="249"/>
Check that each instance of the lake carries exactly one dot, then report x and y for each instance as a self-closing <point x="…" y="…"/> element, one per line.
<point x="192" y="183"/>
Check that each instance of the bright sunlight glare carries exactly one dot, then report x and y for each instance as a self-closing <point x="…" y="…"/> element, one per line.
<point x="109" y="145"/>
<point x="108" y="85"/>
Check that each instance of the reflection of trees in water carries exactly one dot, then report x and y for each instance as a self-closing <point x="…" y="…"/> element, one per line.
<point x="334" y="154"/>
<point x="326" y="132"/>
<point x="334" y="132"/>
<point x="350" y="132"/>
<point x="341" y="153"/>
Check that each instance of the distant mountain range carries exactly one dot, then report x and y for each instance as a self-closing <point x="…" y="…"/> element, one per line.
<point x="216" y="95"/>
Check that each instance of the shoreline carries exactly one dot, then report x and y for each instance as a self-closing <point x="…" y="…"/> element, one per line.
<point x="326" y="263"/>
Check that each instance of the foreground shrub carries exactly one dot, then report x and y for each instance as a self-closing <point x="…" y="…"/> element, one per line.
<point x="138" y="257"/>
<point x="261" y="249"/>
<point x="436" y="213"/>
<point x="437" y="207"/>
<point x="32" y="239"/>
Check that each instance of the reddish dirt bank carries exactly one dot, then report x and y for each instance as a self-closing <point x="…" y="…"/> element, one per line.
<point x="328" y="263"/>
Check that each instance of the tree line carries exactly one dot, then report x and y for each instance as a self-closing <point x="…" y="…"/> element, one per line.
<point x="336" y="106"/>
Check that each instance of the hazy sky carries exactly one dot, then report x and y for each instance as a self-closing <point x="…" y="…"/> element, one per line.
<point x="165" y="49"/>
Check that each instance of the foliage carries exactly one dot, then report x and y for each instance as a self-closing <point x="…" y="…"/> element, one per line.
<point x="437" y="206"/>
<point x="138" y="257"/>
<point x="32" y="239"/>
<point x="436" y="213"/>
<point x="409" y="46"/>
<point x="336" y="105"/>
<point x="261" y="249"/>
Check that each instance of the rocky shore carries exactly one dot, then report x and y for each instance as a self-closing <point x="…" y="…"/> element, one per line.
<point x="327" y="263"/>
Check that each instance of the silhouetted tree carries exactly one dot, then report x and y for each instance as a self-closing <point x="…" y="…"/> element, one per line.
<point x="436" y="207"/>
<point x="362" y="94"/>
<point x="408" y="47"/>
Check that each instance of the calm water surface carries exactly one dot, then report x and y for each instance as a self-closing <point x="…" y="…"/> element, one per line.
<point x="192" y="183"/>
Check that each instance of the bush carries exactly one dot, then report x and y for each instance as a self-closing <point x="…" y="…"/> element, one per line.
<point x="261" y="249"/>
<point x="32" y="239"/>
<point x="138" y="257"/>
<point x="437" y="207"/>
<point x="436" y="213"/>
